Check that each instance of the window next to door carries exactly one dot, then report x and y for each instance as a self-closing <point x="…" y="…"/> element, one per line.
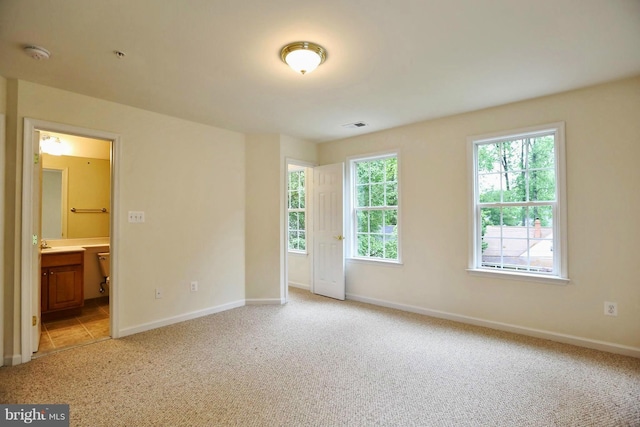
<point x="296" y="204"/>
<point x="374" y="208"/>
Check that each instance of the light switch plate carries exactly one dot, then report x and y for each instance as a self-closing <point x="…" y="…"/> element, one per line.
<point x="136" y="216"/>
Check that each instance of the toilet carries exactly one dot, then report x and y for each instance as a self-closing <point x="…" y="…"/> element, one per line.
<point x="103" y="260"/>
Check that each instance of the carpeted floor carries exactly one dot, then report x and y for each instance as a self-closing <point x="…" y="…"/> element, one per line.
<point x="321" y="362"/>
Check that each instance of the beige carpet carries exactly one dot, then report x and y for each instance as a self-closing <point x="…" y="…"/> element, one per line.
<point x="320" y="362"/>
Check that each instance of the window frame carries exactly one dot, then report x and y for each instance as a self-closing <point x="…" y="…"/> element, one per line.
<point x="559" y="206"/>
<point x="351" y="212"/>
<point x="298" y="169"/>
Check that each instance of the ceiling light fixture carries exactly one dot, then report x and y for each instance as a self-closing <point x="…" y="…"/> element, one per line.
<point x="303" y="57"/>
<point x="51" y="145"/>
<point x="37" y="52"/>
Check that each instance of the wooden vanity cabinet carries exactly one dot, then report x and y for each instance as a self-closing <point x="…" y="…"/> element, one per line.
<point x="62" y="281"/>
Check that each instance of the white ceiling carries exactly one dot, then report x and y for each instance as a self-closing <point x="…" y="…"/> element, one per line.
<point x="389" y="62"/>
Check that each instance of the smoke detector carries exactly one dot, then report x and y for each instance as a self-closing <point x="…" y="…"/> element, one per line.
<point x="37" y="52"/>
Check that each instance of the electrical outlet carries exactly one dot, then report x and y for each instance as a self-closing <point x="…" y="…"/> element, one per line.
<point x="158" y="293"/>
<point x="194" y="286"/>
<point x="610" y="308"/>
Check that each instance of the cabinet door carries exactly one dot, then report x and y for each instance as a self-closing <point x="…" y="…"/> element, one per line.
<point x="65" y="287"/>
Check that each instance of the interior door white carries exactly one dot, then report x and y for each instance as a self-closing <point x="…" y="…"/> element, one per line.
<point x="36" y="216"/>
<point x="328" y="231"/>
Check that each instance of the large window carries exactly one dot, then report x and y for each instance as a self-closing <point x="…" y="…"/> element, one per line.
<point x="518" y="202"/>
<point x="374" y="201"/>
<point x="296" y="196"/>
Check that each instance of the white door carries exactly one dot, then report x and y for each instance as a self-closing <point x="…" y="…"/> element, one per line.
<point x="328" y="231"/>
<point x="36" y="215"/>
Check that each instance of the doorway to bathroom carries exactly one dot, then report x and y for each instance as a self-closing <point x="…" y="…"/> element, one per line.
<point x="68" y="296"/>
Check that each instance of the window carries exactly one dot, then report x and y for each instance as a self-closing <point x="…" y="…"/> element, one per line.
<point x="296" y="196"/>
<point x="374" y="201"/>
<point x="518" y="202"/>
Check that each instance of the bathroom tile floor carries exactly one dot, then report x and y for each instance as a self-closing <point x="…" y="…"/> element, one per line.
<point x="91" y="325"/>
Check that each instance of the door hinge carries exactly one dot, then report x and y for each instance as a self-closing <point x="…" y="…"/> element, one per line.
<point x="36" y="158"/>
<point x="35" y="239"/>
<point x="34" y="321"/>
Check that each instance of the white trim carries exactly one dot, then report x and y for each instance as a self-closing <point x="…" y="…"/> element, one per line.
<point x="30" y="125"/>
<point x="300" y="286"/>
<point x="498" y="274"/>
<point x="507" y="327"/>
<point x="4" y="360"/>
<point x="180" y="318"/>
<point x="265" y="301"/>
<point x="349" y="216"/>
<point x="560" y="239"/>
<point x="12" y="360"/>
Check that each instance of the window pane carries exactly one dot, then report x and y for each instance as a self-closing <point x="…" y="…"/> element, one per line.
<point x="362" y="172"/>
<point x="488" y="158"/>
<point x="363" y="244"/>
<point x="294" y="200"/>
<point x="391" y="166"/>
<point x="490" y="217"/>
<point x="391" y="247"/>
<point x="391" y="193"/>
<point x="363" y="221"/>
<point x="376" y="248"/>
<point x="375" y="221"/>
<point x="390" y="220"/>
<point x="302" y="179"/>
<point x="377" y="171"/>
<point x="489" y="188"/>
<point x="513" y="155"/>
<point x="514" y="187"/>
<point x="542" y="185"/>
<point x="541" y="152"/>
<point x="363" y="196"/>
<point x="514" y="216"/>
<point x="293" y="220"/>
<point x="301" y="199"/>
<point x="301" y="221"/>
<point x="302" y="241"/>
<point x="377" y="194"/>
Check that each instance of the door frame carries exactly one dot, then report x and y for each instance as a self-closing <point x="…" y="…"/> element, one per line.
<point x="308" y="222"/>
<point x="29" y="192"/>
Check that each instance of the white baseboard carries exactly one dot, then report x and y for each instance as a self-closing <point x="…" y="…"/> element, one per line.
<point x="537" y="333"/>
<point x="14" y="360"/>
<point x="264" y="301"/>
<point x="181" y="318"/>
<point x="300" y="286"/>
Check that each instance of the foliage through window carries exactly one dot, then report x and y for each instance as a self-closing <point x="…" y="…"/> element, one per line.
<point x="516" y="202"/>
<point x="296" y="196"/>
<point x="375" y="207"/>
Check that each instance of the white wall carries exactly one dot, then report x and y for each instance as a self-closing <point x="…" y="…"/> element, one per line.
<point x="189" y="180"/>
<point x="603" y="148"/>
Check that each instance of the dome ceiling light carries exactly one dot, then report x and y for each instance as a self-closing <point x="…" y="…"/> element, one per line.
<point x="303" y="57"/>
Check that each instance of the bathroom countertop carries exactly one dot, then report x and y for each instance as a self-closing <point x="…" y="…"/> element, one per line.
<point x="61" y="249"/>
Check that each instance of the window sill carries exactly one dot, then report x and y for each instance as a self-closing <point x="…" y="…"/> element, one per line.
<point x="297" y="253"/>
<point x="385" y="262"/>
<point x="553" y="280"/>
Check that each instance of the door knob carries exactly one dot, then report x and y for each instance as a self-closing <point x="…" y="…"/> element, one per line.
<point x="340" y="237"/>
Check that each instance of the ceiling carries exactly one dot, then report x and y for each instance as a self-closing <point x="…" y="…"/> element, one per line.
<point x="388" y="63"/>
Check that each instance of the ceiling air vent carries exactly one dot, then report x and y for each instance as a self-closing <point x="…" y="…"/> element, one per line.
<point x="355" y="125"/>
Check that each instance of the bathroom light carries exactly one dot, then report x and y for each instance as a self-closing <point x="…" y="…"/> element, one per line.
<point x="51" y="145"/>
<point x="303" y="57"/>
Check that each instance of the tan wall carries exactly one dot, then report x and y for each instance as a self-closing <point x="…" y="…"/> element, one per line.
<point x="603" y="147"/>
<point x="189" y="180"/>
<point x="89" y="187"/>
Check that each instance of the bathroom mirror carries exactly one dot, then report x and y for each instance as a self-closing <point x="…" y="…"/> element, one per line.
<point x="76" y="191"/>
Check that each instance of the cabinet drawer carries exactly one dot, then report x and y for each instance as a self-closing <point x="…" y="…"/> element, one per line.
<point x="66" y="258"/>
